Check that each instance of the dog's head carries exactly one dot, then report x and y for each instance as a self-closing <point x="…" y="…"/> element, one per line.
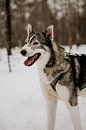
<point x="38" y="46"/>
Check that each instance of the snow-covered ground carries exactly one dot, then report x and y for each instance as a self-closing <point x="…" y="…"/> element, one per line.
<point x="22" y="106"/>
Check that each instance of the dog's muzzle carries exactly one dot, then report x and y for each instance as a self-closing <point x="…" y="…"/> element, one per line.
<point x="30" y="60"/>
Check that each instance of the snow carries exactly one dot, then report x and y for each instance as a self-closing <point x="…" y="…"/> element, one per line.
<point x="22" y="105"/>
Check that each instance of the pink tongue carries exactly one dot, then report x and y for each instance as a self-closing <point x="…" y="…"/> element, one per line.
<point x="29" y="61"/>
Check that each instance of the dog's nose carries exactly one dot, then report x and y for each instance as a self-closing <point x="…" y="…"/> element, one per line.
<point x="23" y="52"/>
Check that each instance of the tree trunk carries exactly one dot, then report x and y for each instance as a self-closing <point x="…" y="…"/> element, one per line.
<point x="8" y="32"/>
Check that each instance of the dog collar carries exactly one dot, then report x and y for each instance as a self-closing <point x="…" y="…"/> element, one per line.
<point x="82" y="86"/>
<point x="54" y="82"/>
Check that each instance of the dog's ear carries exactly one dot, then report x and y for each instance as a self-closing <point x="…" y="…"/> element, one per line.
<point x="49" y="32"/>
<point x="29" y="29"/>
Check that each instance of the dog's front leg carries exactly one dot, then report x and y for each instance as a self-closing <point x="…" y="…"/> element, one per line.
<point x="51" y="111"/>
<point x="75" y="116"/>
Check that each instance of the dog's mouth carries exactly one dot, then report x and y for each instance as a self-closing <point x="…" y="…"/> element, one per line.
<point x="32" y="59"/>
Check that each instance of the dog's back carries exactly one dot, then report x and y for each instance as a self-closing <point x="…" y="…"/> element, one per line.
<point x="82" y="76"/>
<point x="78" y="66"/>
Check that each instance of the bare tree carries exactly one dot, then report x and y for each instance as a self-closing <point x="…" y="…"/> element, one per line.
<point x="8" y="32"/>
<point x="69" y="23"/>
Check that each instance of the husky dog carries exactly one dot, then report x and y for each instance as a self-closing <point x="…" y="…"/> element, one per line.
<point x="62" y="75"/>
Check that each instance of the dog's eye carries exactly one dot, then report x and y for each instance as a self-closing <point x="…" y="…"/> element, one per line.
<point x="35" y="43"/>
<point x="25" y="42"/>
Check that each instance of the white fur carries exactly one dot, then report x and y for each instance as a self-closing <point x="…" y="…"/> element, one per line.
<point x="51" y="111"/>
<point x="50" y="32"/>
<point x="82" y="92"/>
<point x="62" y="96"/>
<point x="41" y="63"/>
<point x="75" y="116"/>
<point x="29" y="29"/>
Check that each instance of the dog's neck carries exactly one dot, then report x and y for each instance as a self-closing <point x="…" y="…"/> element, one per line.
<point x="57" y="55"/>
<point x="52" y="60"/>
<point x="57" y="64"/>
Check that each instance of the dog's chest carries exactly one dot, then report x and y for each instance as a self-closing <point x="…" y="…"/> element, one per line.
<point x="43" y="77"/>
<point x="62" y="91"/>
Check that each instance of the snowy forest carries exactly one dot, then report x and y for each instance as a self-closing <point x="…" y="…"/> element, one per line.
<point x="22" y="104"/>
<point x="67" y="16"/>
